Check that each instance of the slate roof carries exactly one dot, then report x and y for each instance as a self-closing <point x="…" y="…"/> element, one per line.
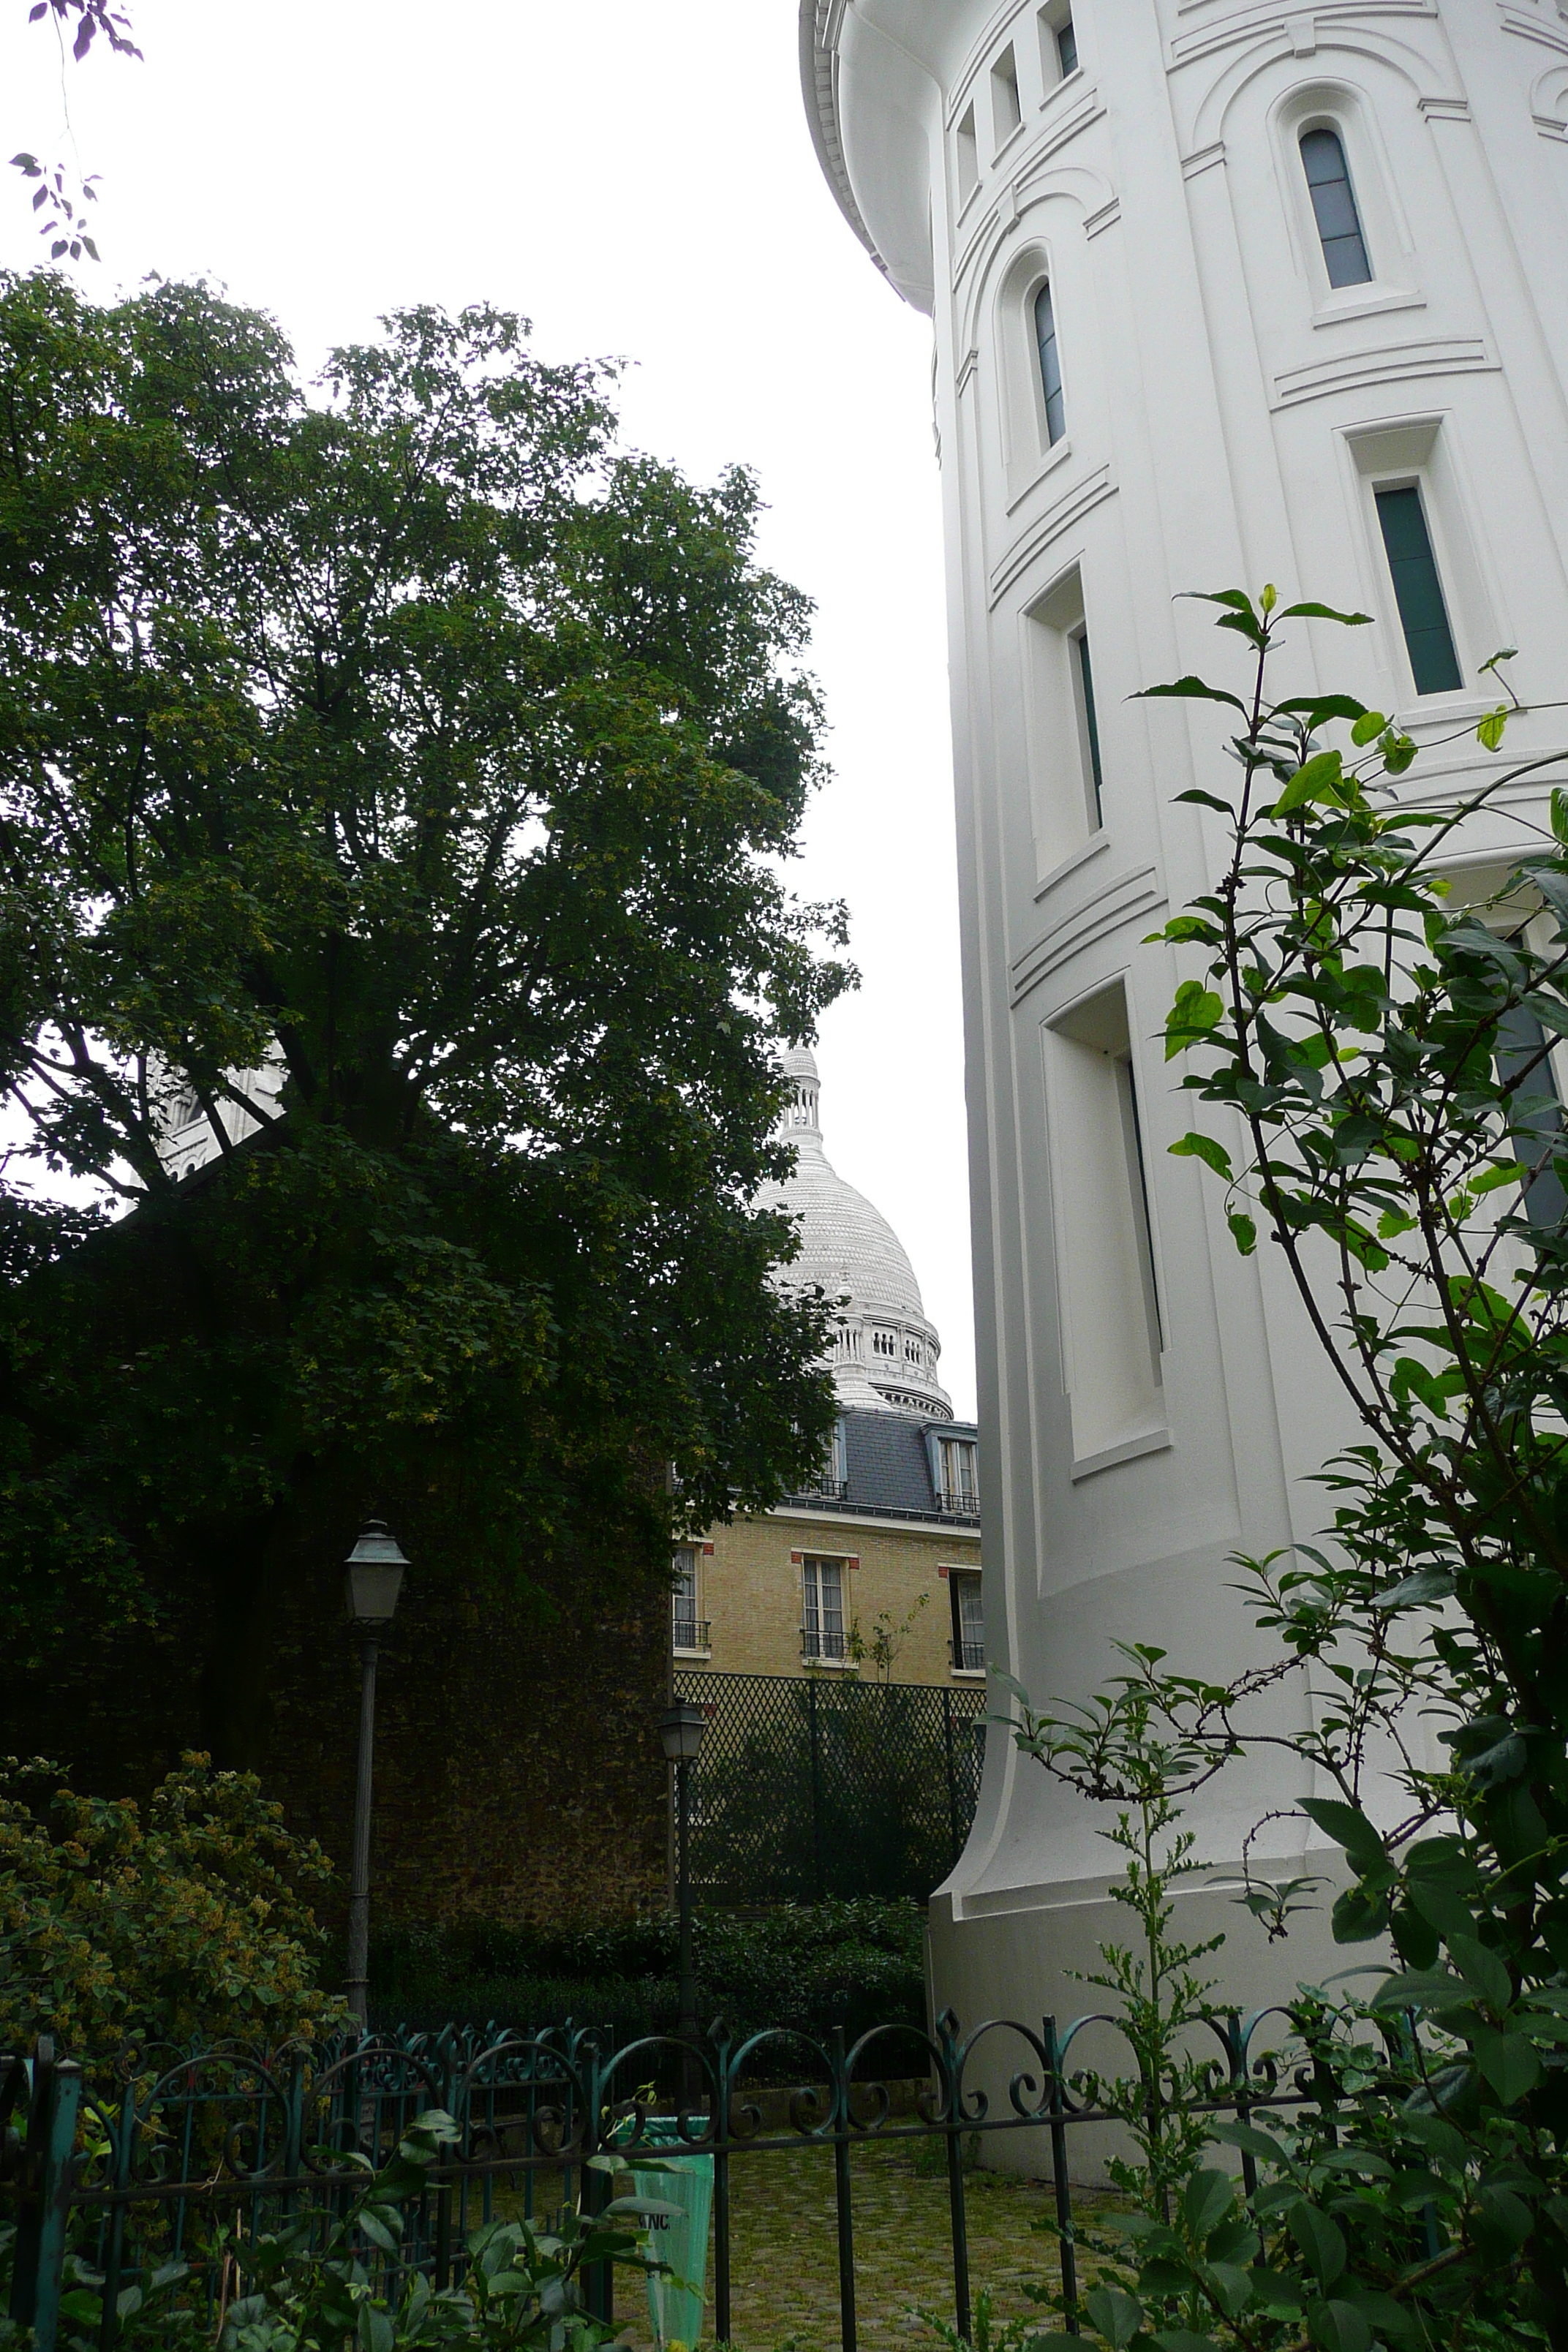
<point x="890" y="1471"/>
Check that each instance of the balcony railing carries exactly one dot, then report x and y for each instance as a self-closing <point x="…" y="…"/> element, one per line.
<point x="964" y="1501"/>
<point x="692" y="1633"/>
<point x="968" y="1657"/>
<point x="833" y="1490"/>
<point x="815" y="1644"/>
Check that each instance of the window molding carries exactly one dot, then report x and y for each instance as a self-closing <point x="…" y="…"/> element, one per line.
<point x="1051" y="21"/>
<point x="1322" y="105"/>
<point x="1421" y="451"/>
<point x="1066" y="812"/>
<point x="1111" y="1316"/>
<point x="1028" y="450"/>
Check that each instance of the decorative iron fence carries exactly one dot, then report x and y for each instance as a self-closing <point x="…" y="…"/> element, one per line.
<point x="809" y="1786"/>
<point x="247" y="2140"/>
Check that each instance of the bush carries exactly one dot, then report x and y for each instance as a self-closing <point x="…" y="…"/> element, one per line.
<point x="192" y="1924"/>
<point x="807" y="1966"/>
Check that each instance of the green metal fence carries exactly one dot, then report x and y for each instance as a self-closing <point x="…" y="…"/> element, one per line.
<point x="809" y="1787"/>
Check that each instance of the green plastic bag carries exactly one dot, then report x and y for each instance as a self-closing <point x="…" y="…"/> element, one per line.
<point x="680" y="2239"/>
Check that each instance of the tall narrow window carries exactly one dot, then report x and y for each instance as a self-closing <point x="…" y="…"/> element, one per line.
<point x="1066" y="47"/>
<point x="968" y="1623"/>
<point x="1090" y="724"/>
<point x="1417" y="590"/>
<point x="686" y="1620"/>
<point x="1007" y="113"/>
<point x="1334" y="205"/>
<point x="1050" y="364"/>
<point x="968" y="157"/>
<point x="1133" y="1127"/>
<point x="1105" y="1258"/>
<point x="1536" y="1118"/>
<point x="822" y="1615"/>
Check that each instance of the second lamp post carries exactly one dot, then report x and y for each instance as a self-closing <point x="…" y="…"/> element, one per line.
<point x="373" y="1579"/>
<point x="681" y="1728"/>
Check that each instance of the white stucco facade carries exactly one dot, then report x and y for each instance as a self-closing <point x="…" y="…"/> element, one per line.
<point x="1150" y="1403"/>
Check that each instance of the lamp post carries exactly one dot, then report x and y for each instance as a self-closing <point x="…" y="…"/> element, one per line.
<point x="373" y="1578"/>
<point x="680" y="1728"/>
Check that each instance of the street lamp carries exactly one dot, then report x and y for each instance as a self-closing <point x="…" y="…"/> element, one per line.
<point x="373" y="1579"/>
<point x="681" y="1728"/>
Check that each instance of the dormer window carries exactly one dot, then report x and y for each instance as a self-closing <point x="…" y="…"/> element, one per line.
<point x="958" y="1478"/>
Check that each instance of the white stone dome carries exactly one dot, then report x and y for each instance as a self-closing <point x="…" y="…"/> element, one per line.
<point x="887" y="1351"/>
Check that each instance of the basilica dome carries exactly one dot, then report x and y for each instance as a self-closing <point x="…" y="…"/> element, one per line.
<point x="886" y="1352"/>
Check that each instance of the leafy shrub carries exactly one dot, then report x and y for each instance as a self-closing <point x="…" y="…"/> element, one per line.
<point x="191" y="1922"/>
<point x="807" y="1966"/>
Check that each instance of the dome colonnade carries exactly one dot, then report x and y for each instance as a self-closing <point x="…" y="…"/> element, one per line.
<point x="1222" y="290"/>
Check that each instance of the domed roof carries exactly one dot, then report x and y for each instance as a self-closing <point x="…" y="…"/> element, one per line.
<point x="851" y="1253"/>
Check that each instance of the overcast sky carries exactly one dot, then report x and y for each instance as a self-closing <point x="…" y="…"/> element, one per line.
<point x="640" y="182"/>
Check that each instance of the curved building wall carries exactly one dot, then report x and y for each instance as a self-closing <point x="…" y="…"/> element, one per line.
<point x="1150" y="1403"/>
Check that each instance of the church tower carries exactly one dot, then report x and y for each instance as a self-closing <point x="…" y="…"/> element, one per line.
<point x="1222" y="291"/>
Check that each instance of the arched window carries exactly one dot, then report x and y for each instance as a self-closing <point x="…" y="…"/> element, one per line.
<point x="1334" y="205"/>
<point x="1050" y="364"/>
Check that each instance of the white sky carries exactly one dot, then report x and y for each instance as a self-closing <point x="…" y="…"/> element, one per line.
<point x="640" y="181"/>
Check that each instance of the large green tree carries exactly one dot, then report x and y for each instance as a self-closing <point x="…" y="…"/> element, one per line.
<point x="410" y="741"/>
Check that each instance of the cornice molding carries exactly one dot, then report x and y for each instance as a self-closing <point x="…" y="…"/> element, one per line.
<point x="821" y="22"/>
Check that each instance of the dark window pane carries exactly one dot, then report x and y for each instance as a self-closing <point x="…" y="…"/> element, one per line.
<point x="1050" y="366"/>
<point x="1537" y="1117"/>
<point x="1091" y="724"/>
<point x="1333" y="206"/>
<point x="1419" y="591"/>
<point x="1067" y="49"/>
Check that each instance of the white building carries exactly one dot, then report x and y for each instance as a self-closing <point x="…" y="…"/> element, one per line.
<point x="1223" y="290"/>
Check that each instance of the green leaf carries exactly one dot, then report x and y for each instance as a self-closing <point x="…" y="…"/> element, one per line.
<point x="1318" y="780"/>
<point x="1338" y="2327"/>
<point x="1206" y="2200"/>
<point x="1368" y="726"/>
<point x="1560" y="812"/>
<point x="379" y="2228"/>
<point x="1398" y="751"/>
<point x="1193" y="690"/>
<point x="1320" y="2239"/>
<point x="1509" y="2063"/>
<point x="1316" y="710"/>
<point x="1349" y="1827"/>
<point x="1117" y="2316"/>
<point x="1204" y="1147"/>
<point x="1231" y="2287"/>
<point x="1326" y="613"/>
<point x="1490" y="731"/>
<point x="1253" y="2142"/>
<point x="1482" y="1971"/>
<point x="1360" y="1913"/>
<point x="375" y="2330"/>
<point x="1242" y="1231"/>
<point x="1196" y="1012"/>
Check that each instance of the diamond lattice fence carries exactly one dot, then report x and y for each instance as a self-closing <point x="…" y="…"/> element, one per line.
<point x="809" y="1788"/>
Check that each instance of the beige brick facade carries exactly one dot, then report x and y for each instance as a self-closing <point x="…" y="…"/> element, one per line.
<point x="749" y="1593"/>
